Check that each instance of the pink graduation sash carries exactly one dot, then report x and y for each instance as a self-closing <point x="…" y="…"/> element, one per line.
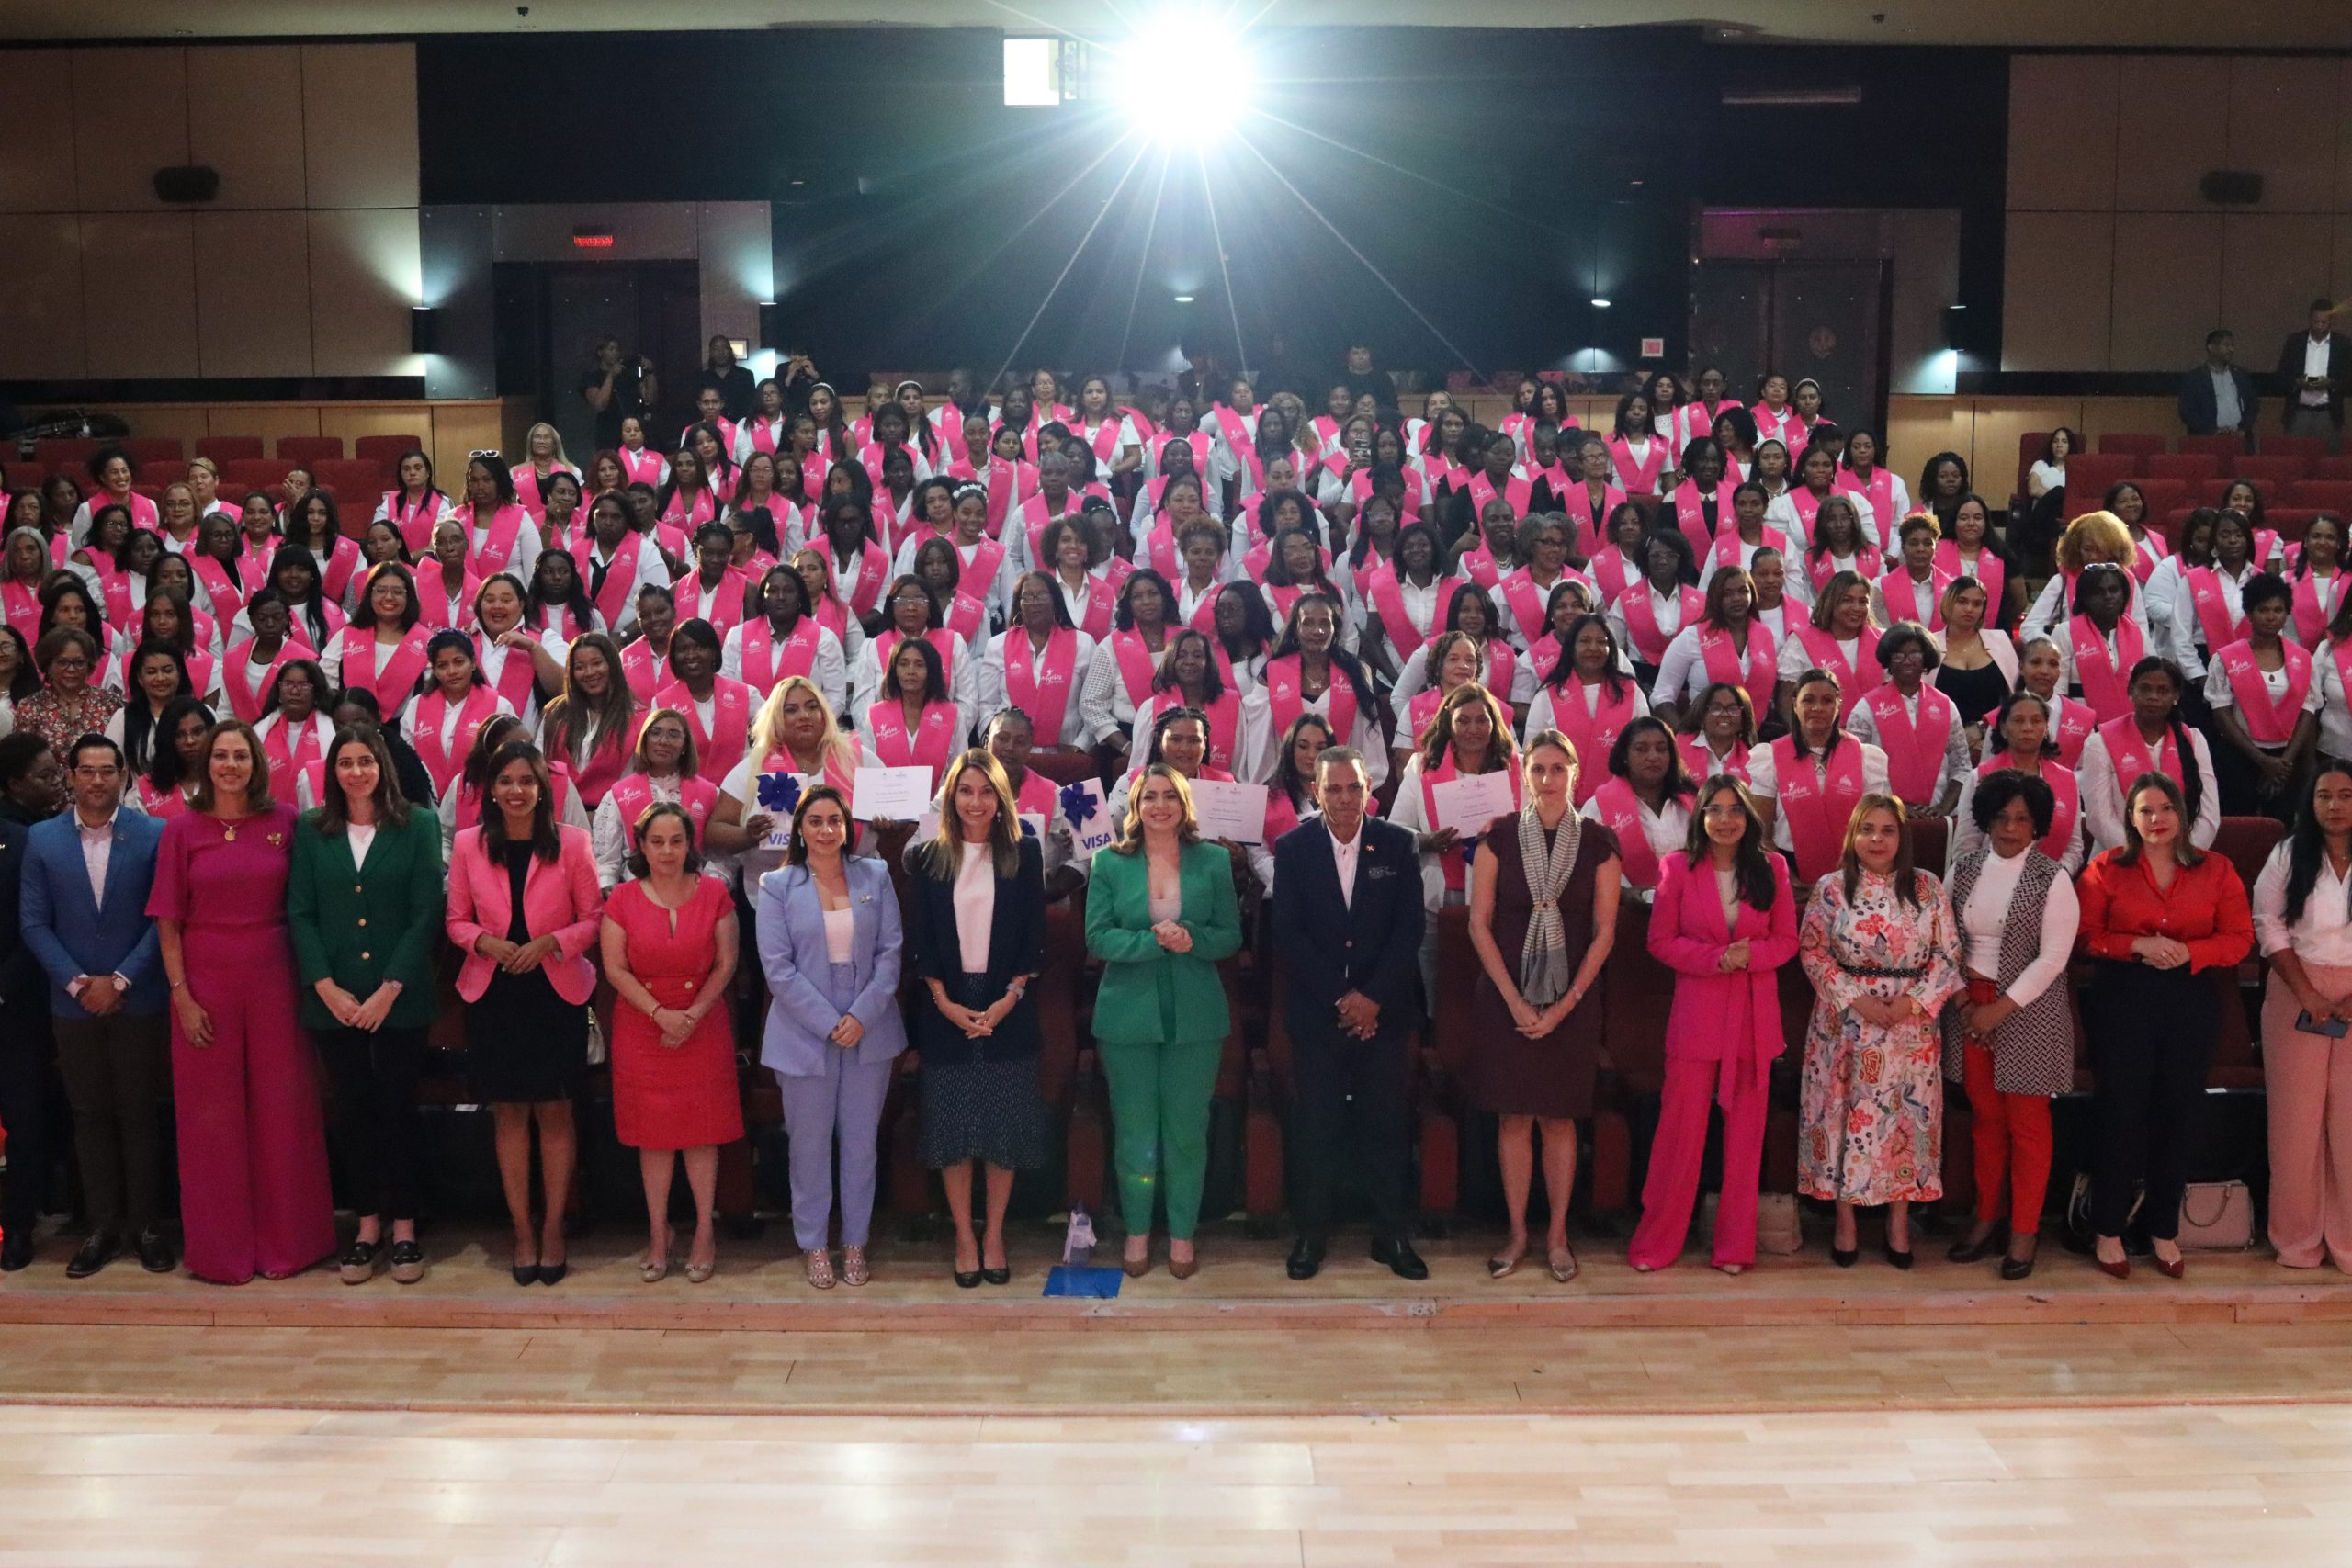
<point x="1820" y="569"/>
<point x="162" y="805"/>
<point x="1591" y="727"/>
<point x="1101" y="605"/>
<point x="1722" y="660"/>
<point x="227" y="597"/>
<point x="594" y="777"/>
<point x="886" y="729"/>
<point x="1702" y="763"/>
<point x="1501" y="665"/>
<point x="445" y="763"/>
<point x="1699" y="418"/>
<point x="1388" y="597"/>
<point x="1613" y="573"/>
<point x="1104" y="438"/>
<point x="1543" y="657"/>
<point x="769" y="436"/>
<point x="530" y="490"/>
<point x="2132" y="757"/>
<point x="1480" y="564"/>
<point x="1621" y="812"/>
<point x="2066" y="794"/>
<point x="873" y="574"/>
<point x="253" y="560"/>
<point x="1986" y="569"/>
<point x="1729" y="548"/>
<point x="496" y="552"/>
<point x="1518" y="489"/>
<point x="1287" y="698"/>
<point x="940" y="638"/>
<point x="1136" y="663"/>
<point x="640" y="465"/>
<point x="288" y="755"/>
<point x="1527" y="606"/>
<point x="343" y="565"/>
<point x="621" y="577"/>
<point x="20" y="606"/>
<point x="641" y="670"/>
<point x="632" y="793"/>
<point x="691" y="513"/>
<point x="1771" y="426"/>
<point x="398" y="676"/>
<point x="2213" y="618"/>
<point x="1456" y="867"/>
<point x="2105" y="680"/>
<point x="1638" y="476"/>
<point x="2310" y="619"/>
<point x="1641" y="621"/>
<point x="1818" y="812"/>
<point x="763" y="666"/>
<point x="1224" y="722"/>
<point x="2268" y="723"/>
<point x="722" y="606"/>
<point x="720" y="748"/>
<point x="1901" y="591"/>
<point x="1419" y="711"/>
<point x="1043" y="693"/>
<point x="245" y="702"/>
<point x="1855" y="676"/>
<point x="1914" y="751"/>
<point x="966" y="617"/>
<point x="514" y="677"/>
<point x="1879" y="490"/>
<point x="1203" y="618"/>
<point x="1037" y="515"/>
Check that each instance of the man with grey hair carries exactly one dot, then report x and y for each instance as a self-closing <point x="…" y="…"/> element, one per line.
<point x="1348" y="923"/>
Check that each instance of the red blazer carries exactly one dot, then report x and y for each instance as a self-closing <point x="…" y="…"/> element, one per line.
<point x="562" y="900"/>
<point x="1731" y="1018"/>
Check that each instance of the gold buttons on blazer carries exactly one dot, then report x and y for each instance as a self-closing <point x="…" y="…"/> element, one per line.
<point x="365" y="956"/>
<point x="363" y="919"/>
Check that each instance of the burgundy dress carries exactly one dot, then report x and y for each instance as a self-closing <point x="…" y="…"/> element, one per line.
<point x="685" y="1096"/>
<point x="1509" y="1073"/>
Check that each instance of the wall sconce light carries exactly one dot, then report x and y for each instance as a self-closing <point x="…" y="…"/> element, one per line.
<point x="423" y="330"/>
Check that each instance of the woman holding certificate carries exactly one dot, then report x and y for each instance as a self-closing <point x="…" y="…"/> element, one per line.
<point x="1465" y="776"/>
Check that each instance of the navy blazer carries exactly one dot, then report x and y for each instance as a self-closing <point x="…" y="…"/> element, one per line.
<point x="69" y="936"/>
<point x="804" y="1002"/>
<point x="2196" y="410"/>
<point x="1331" y="945"/>
<point x="1016" y="947"/>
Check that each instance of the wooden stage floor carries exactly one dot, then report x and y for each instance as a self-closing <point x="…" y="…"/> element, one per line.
<point x="1800" y="1413"/>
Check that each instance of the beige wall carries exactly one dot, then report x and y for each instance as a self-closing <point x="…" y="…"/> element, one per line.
<point x="305" y="264"/>
<point x="2115" y="262"/>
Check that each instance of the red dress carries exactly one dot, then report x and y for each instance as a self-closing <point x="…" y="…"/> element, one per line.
<point x="687" y="1096"/>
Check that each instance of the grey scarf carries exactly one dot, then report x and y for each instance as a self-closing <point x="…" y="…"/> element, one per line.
<point x="1544" y="958"/>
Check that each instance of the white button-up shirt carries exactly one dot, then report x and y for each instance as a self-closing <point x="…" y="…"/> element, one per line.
<point x="2323" y="933"/>
<point x="1345" y="855"/>
<point x="97" y="854"/>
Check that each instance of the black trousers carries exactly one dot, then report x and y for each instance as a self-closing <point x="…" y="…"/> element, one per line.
<point x="117" y="1072"/>
<point x="1350" y="1106"/>
<point x="2151" y="1035"/>
<point x="2241" y="786"/>
<point x="26" y="1049"/>
<point x="374" y="1095"/>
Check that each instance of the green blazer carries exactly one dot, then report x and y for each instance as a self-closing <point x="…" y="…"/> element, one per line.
<point x="361" y="927"/>
<point x="1150" y="996"/>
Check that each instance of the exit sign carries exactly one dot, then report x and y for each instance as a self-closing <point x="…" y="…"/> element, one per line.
<point x="1652" y="348"/>
<point x="591" y="239"/>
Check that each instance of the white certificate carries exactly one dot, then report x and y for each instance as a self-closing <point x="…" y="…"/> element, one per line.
<point x="902" y="795"/>
<point x="779" y="838"/>
<point x="1098" y="829"/>
<point x="1468" y="803"/>
<point x="1236" y="811"/>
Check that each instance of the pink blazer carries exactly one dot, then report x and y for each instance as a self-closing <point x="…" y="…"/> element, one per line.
<point x="1732" y="1018"/>
<point x="562" y="900"/>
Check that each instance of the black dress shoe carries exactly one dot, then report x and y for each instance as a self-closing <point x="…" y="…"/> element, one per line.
<point x="1967" y="1251"/>
<point x="1402" y="1260"/>
<point x="17" y="1251"/>
<point x="998" y="1276"/>
<point x="95" y="1254"/>
<point x="526" y="1273"/>
<point x="1843" y="1256"/>
<point x="2016" y="1268"/>
<point x="1899" y="1259"/>
<point x="553" y="1273"/>
<point x="964" y="1281"/>
<point x="1305" y="1258"/>
<point x="155" y="1252"/>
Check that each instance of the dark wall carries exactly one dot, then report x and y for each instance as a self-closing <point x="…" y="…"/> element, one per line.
<point x="1458" y="196"/>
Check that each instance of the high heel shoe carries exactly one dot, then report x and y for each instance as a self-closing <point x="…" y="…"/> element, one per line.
<point x="1899" y="1259"/>
<point x="526" y="1273"/>
<point x="1844" y="1257"/>
<point x="1971" y="1250"/>
<point x="2118" y="1269"/>
<point x="2175" y="1269"/>
<point x="2014" y="1268"/>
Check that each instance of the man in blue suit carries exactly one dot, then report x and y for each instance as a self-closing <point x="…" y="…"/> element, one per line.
<point x="86" y="876"/>
<point x="1347" y="922"/>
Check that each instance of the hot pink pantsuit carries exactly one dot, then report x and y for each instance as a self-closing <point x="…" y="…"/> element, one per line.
<point x="1721" y="1039"/>
<point x="252" y="1138"/>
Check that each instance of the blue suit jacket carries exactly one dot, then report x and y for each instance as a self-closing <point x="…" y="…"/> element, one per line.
<point x="69" y="936"/>
<point x="1330" y="945"/>
<point x="803" y="1004"/>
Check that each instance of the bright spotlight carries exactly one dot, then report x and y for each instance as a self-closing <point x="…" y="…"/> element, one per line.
<point x="1186" y="74"/>
<point x="1599" y="304"/>
<point x="1183" y="298"/>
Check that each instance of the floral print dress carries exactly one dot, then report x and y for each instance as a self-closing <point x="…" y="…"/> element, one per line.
<point x="1872" y="1097"/>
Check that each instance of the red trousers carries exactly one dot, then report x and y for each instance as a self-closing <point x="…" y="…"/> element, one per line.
<point x="2012" y="1145"/>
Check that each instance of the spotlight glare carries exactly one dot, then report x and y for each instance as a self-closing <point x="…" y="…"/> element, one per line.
<point x="1599" y="304"/>
<point x="1183" y="298"/>
<point x="1160" y="76"/>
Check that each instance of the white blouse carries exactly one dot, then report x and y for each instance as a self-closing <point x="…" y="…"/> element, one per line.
<point x="1985" y="923"/>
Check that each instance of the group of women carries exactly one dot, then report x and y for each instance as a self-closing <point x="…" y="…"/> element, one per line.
<point x="615" y="696"/>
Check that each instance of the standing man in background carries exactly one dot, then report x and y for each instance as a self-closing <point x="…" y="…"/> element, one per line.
<point x="736" y="388"/>
<point x="2312" y="368"/>
<point x="2217" y="396"/>
<point x="615" y="392"/>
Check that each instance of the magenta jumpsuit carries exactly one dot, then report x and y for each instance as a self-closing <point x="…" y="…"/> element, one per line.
<point x="253" y="1191"/>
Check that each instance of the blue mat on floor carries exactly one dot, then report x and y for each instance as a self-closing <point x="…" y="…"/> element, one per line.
<point x="1098" y="1283"/>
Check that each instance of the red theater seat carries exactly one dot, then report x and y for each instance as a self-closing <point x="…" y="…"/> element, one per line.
<point x="242" y="474"/>
<point x="2246" y="844"/>
<point x="387" y="449"/>
<point x="2323" y="495"/>
<point x="2336" y="468"/>
<point x="73" y="453"/>
<point x="2292" y="522"/>
<point x="2088" y="477"/>
<point x="228" y="448"/>
<point x="2030" y="445"/>
<point x="2270" y="467"/>
<point x="2194" y="466"/>
<point x="309" y="449"/>
<point x="2122" y="444"/>
<point x="352" y="480"/>
<point x="2160" y="496"/>
<point x="2214" y="489"/>
<point x="2309" y="448"/>
<point x="158" y="459"/>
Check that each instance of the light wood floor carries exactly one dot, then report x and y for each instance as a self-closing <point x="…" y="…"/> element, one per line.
<point x="2191" y="1488"/>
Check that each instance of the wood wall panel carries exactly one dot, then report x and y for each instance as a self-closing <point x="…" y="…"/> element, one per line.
<point x="2283" y="126"/>
<point x="245" y="118"/>
<point x="359" y="124"/>
<point x="139" y="294"/>
<point x="2161" y="151"/>
<point x="130" y="119"/>
<point x="36" y="136"/>
<point x="2168" y="291"/>
<point x="2056" y="290"/>
<point x="2062" y="131"/>
<point x="252" y="291"/>
<point x="364" y="269"/>
<point x="2273" y="265"/>
<point x="42" y="334"/>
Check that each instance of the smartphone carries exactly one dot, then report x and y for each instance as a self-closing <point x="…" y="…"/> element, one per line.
<point x="2334" y="1028"/>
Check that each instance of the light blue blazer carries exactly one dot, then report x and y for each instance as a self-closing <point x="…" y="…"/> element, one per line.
<point x="808" y="993"/>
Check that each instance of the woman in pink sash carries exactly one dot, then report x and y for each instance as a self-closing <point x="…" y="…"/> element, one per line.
<point x="2264" y="707"/>
<point x="2042" y="670"/>
<point x="1725" y="922"/>
<point x="797" y="733"/>
<point x="1035" y="665"/>
<point x="718" y="711"/>
<point x="588" y="730"/>
<point x="914" y="723"/>
<point x="1487" y="555"/>
<point x="1618" y="562"/>
<point x="444" y="721"/>
<point x="1718" y="732"/>
<point x="2150" y="739"/>
<point x="1470" y="735"/>
<point x="1645" y="803"/>
<point x="1588" y="699"/>
<point x="1309" y="667"/>
<point x="665" y="768"/>
<point x="2020" y="740"/>
<point x="386" y="655"/>
<point x="1917" y="726"/>
<point x="2318" y="581"/>
<point x="1913" y="589"/>
<point x="444" y="587"/>
<point x="1840" y="545"/>
<point x="1808" y="781"/>
<point x="1636" y="452"/>
<point x="1971" y="551"/>
<point x="2103" y="644"/>
<point x="1725" y="643"/>
<point x="1979" y="668"/>
<point x="1189" y="677"/>
<point x="294" y="732"/>
<point x="1839" y="637"/>
<point x="2209" y="610"/>
<point x="1405" y="605"/>
<point x="1648" y="616"/>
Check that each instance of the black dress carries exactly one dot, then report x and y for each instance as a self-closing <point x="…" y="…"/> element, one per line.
<point x="524" y="1043"/>
<point x="1509" y="1073"/>
<point x="1977" y="694"/>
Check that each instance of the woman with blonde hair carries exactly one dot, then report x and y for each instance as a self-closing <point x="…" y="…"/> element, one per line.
<point x="1161" y="915"/>
<point x="797" y="735"/>
<point x="543" y="458"/>
<point x="975" y="938"/>
<point x="2090" y="539"/>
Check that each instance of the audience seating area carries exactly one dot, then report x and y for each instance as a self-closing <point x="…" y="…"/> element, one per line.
<point x="362" y="476"/>
<point x="2294" y="475"/>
